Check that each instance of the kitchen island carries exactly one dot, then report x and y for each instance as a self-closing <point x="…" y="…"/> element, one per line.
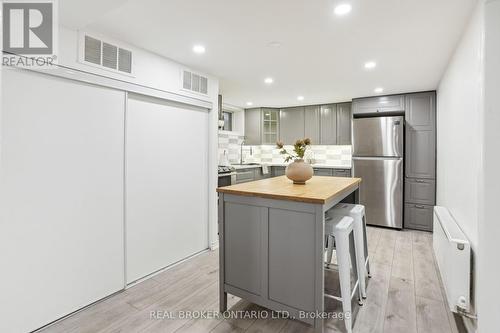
<point x="271" y="236"/>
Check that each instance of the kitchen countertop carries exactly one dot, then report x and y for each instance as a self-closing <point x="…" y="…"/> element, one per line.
<point x="322" y="166"/>
<point x="318" y="190"/>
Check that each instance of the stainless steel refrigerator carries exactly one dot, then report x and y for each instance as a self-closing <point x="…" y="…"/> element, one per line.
<point x="378" y="150"/>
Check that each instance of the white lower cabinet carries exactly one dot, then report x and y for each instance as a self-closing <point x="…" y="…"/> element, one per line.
<point x="166" y="184"/>
<point x="93" y="194"/>
<point x="61" y="187"/>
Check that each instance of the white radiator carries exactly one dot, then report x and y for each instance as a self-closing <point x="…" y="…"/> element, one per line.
<point x="453" y="255"/>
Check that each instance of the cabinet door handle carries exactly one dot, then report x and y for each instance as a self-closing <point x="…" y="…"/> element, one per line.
<point x="419" y="206"/>
<point x="420" y="181"/>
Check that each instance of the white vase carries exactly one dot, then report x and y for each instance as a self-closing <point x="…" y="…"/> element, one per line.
<point x="299" y="172"/>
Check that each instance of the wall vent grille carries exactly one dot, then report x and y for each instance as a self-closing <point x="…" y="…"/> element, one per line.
<point x="92" y="50"/>
<point x="107" y="55"/>
<point x="194" y="82"/>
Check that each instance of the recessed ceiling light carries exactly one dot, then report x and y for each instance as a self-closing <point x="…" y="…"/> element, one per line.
<point x="300" y="98"/>
<point x="370" y="64"/>
<point x="249" y="103"/>
<point x="379" y="90"/>
<point x="342" y="9"/>
<point x="200" y="49"/>
<point x="268" y="80"/>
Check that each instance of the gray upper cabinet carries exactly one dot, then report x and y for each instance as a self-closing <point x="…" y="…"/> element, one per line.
<point x="421" y="135"/>
<point x="291" y="124"/>
<point x="379" y="104"/>
<point x="270" y="126"/>
<point x="420" y="189"/>
<point x="311" y="125"/>
<point x="421" y="110"/>
<point x="344" y="121"/>
<point x="328" y="124"/>
<point x="261" y="126"/>
<point x="253" y="121"/>
<point x="420" y="153"/>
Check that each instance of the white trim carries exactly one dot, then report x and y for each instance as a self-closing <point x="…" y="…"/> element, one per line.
<point x="214" y="245"/>
<point x="125" y="191"/>
<point x="166" y="268"/>
<point x="230" y="132"/>
<point x="91" y="78"/>
<point x="119" y="291"/>
<point x="231" y="108"/>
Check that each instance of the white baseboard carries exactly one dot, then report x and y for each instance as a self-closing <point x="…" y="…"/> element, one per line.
<point x="214" y="245"/>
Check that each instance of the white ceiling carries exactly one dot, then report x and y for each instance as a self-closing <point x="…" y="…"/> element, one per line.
<point x="321" y="55"/>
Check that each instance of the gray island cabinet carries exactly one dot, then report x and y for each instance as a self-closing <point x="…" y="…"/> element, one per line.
<point x="271" y="236"/>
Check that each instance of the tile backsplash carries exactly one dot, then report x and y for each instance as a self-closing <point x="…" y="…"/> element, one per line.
<point x="229" y="145"/>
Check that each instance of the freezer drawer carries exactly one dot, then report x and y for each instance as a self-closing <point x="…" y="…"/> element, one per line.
<point x="420" y="191"/>
<point x="378" y="136"/>
<point x="381" y="190"/>
<point x="418" y="217"/>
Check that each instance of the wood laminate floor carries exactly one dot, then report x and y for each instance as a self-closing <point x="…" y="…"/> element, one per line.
<point x="404" y="295"/>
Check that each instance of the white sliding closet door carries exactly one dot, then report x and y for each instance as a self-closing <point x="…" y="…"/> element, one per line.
<point x="166" y="184"/>
<point x="61" y="186"/>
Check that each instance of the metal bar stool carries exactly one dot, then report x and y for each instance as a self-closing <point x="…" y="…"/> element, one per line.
<point x="357" y="212"/>
<point x="342" y="230"/>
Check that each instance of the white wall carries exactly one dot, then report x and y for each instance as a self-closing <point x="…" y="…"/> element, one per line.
<point x="488" y="288"/>
<point x="156" y="72"/>
<point x="61" y="197"/>
<point x="166" y="201"/>
<point x="459" y="142"/>
<point x="150" y="70"/>
<point x="468" y="152"/>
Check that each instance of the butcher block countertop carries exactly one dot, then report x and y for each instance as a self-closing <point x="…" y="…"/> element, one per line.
<point x="318" y="190"/>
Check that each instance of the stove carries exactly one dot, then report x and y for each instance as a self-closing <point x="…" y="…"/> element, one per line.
<point x="226" y="169"/>
<point x="227" y="175"/>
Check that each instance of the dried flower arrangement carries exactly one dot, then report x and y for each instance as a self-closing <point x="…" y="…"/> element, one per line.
<point x="299" y="148"/>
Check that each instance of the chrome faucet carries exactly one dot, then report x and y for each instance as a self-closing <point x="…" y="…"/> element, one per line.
<point x="241" y="151"/>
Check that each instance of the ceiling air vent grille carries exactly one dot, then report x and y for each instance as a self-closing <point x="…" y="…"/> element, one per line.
<point x="194" y="82"/>
<point x="125" y="61"/>
<point x="106" y="55"/>
<point x="92" y="50"/>
<point x="109" y="55"/>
